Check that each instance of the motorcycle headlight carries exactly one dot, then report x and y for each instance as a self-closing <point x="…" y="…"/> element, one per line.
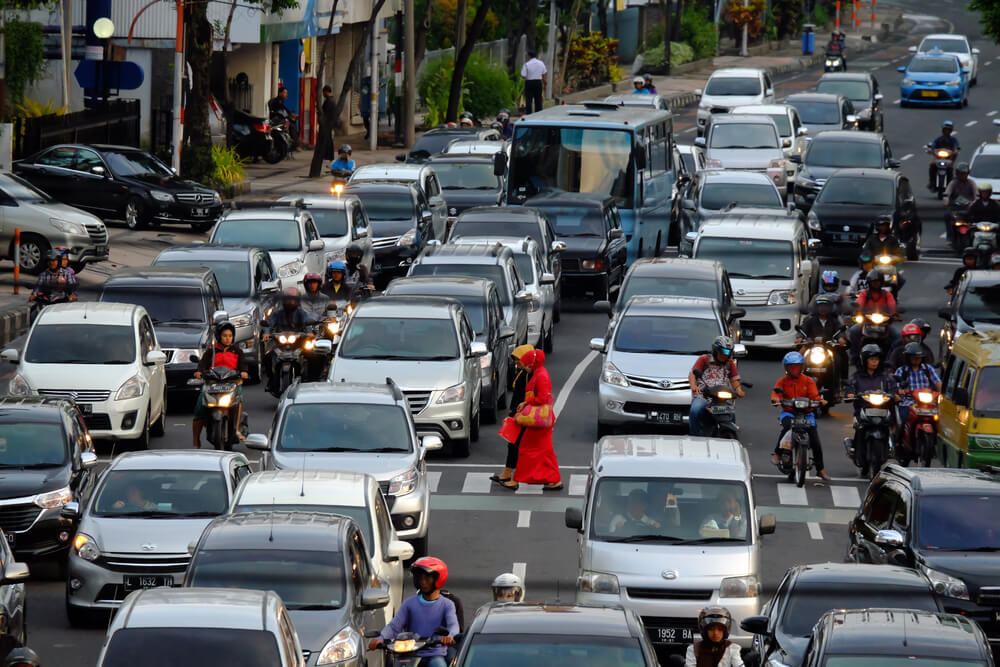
<point x="946" y="585"/>
<point x="953" y="82"/>
<point x="240" y="321"/>
<point x="612" y="375"/>
<point x="817" y="355"/>
<point x="225" y="400"/>
<point x="813" y="221"/>
<point x="407" y="239"/>
<point x="134" y="387"/>
<point x="343" y="646"/>
<point x="68" y="227"/>
<point x="878" y="318"/>
<point x="453" y="394"/>
<point x="290" y="269"/>
<point x="780" y="297"/>
<point x="876" y="399"/>
<point x="400" y="485"/>
<point x="184" y="356"/>
<point x="19" y="386"/>
<point x="52" y="499"/>
<point x="830" y="63"/>
<point x="333" y="327"/>
<point x="160" y="195"/>
<point x="309" y="344"/>
<point x="724" y="395"/>
<point x="884" y="259"/>
<point x="287" y="340"/>
<point x="404" y="645"/>
<point x="85" y="547"/>
<point x="486" y="360"/>
<point x="597" y="582"/>
<point x="925" y="396"/>
<point x="908" y="82"/>
<point x="858" y="319"/>
<point x="943" y="154"/>
<point x="739" y="587"/>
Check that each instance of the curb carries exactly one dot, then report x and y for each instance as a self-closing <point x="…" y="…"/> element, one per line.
<point x="13" y="322"/>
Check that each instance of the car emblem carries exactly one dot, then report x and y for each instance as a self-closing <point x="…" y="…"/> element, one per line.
<point x="847" y="228"/>
<point x="149" y="547"/>
<point x="669" y="574"/>
<point x="741" y="292"/>
<point x="665" y="384"/>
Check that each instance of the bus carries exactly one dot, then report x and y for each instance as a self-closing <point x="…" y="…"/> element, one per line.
<point x="605" y="149"/>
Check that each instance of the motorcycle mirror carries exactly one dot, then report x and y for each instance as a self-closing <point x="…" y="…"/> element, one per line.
<point x="372" y="634"/>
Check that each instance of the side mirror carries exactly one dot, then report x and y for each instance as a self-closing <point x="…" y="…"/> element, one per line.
<point x="889" y="538"/>
<point x="220" y="316"/>
<point x="70" y="510"/>
<point x="944" y="314"/>
<point x="574" y="518"/>
<point x="597" y="344"/>
<point x="559" y="246"/>
<point x="88" y="459"/>
<point x="787" y="143"/>
<point x="427" y="216"/>
<point x="965" y="70"/>
<point x="316" y="244"/>
<point x="499" y="164"/>
<point x="269" y="287"/>
<point x="912" y="49"/>
<point x="548" y="279"/>
<point x="616" y="234"/>
<point x="879" y="97"/>
<point x="688" y="204"/>
<point x="506" y="332"/>
<point x="796" y="159"/>
<point x="901" y="70"/>
<point x="698" y="92"/>
<point x="323" y="345"/>
<point x="740" y="351"/>
<point x="98" y="170"/>
<point x="257" y="441"/>
<point x="523" y="297"/>
<point x="11" y="355"/>
<point x="803" y="131"/>
<point x="700" y="142"/>
<point x="767" y="524"/>
<point x="376" y="598"/>
<point x="975" y="51"/>
<point x="398" y="550"/>
<point x="791" y="207"/>
<point x="894" y="164"/>
<point x="15" y="572"/>
<point x="155" y="357"/>
<point x="755" y="625"/>
<point x="961" y="397"/>
<point x="769" y="92"/>
<point x="813" y="245"/>
<point x="477" y="349"/>
<point x="361" y="232"/>
<point x="736" y="313"/>
<point x="603" y="307"/>
<point x="851" y="118"/>
<point x="432" y="443"/>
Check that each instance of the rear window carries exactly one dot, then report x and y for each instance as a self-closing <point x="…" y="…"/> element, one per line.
<point x="169" y="647"/>
<point x="808" y="602"/>
<point x="732" y="85"/>
<point x="490" y="271"/>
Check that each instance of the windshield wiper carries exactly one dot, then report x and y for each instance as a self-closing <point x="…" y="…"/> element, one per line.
<point x="395" y="357"/>
<point x="713" y="540"/>
<point x="193" y="515"/>
<point x="649" y="537"/>
<point x="857" y="203"/>
<point x="437" y="357"/>
<point x="769" y="276"/>
<point x="329" y="449"/>
<point x="311" y="607"/>
<point x="656" y="351"/>
<point x="181" y="320"/>
<point x="583" y="234"/>
<point x="739" y="275"/>
<point x="384" y="450"/>
<point x="148" y="514"/>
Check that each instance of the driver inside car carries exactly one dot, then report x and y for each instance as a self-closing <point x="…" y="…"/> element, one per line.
<point x="729" y="518"/>
<point x="635" y="513"/>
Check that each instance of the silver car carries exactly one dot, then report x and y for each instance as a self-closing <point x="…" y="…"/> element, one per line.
<point x="746" y="142"/>
<point x="341" y="221"/>
<point x="422" y="175"/>
<point x="427" y="346"/>
<point x="135" y="530"/>
<point x="356" y="427"/>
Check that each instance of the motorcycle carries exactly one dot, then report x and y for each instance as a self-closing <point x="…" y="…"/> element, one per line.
<point x="219" y="385"/>
<point x="834" y="61"/>
<point x="944" y="159"/>
<point x="283" y="129"/>
<point x="924" y="438"/>
<point x="874" y="329"/>
<point x="42" y="300"/>
<point x="340" y="178"/>
<point x="402" y="651"/>
<point x="252" y="137"/>
<point x="796" y="458"/>
<point x="721" y="413"/>
<point x="875" y="433"/>
<point x="820" y="356"/>
<point x="958" y="218"/>
<point x="288" y="359"/>
<point x="886" y="264"/>
<point x="984" y="240"/>
<point x="317" y="358"/>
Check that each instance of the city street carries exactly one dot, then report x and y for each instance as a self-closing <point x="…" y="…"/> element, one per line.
<point x="481" y="530"/>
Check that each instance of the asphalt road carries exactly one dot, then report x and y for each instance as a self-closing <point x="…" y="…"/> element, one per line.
<point x="481" y="530"/>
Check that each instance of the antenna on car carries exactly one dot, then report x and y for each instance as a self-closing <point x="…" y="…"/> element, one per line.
<point x="302" y="489"/>
<point x="270" y="536"/>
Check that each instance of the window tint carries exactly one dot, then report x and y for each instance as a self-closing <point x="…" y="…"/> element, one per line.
<point x="168" y="647"/>
<point x="956" y="369"/>
<point x="882" y="508"/>
<point x="87" y="160"/>
<point x="58" y="157"/>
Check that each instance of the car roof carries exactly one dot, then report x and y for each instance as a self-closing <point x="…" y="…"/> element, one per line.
<point x="464" y="253"/>
<point x="675" y="455"/>
<point x="426" y="307"/>
<point x="172" y="459"/>
<point x="749" y="228"/>
<point x="978" y="277"/>
<point x="861" y="172"/>
<point x="205" y="251"/>
<point x="379" y="187"/>
<point x="344" y="392"/>
<point x="733" y="176"/>
<point x="860" y="574"/>
<point x="517" y="244"/>
<point x="989" y="148"/>
<point x="33" y="408"/>
<point x="440" y="286"/>
<point x="276" y="530"/>
<point x="498" y="212"/>
<point x="463" y="158"/>
<point x="894" y="632"/>
<point x="396" y="171"/>
<point x="313" y="200"/>
<point x="944" y="35"/>
<point x="982" y="347"/>
<point x="813" y="97"/>
<point x="306" y="487"/>
<point x="760" y="109"/>
<point x="261" y="213"/>
<point x="671" y="306"/>
<point x="231" y="608"/>
<point x="946" y="481"/>
<point x="161" y="273"/>
<point x="743" y="119"/>
<point x="847" y="76"/>
<point x="931" y="55"/>
<point x="594" y="114"/>
<point x="113" y="147"/>
<point x="89" y="312"/>
<point x="847" y="135"/>
<point x="667" y="267"/>
<point x="571" y="198"/>
<point x="737" y="72"/>
<point x="529" y="618"/>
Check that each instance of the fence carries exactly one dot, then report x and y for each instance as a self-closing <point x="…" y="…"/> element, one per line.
<point x="117" y="123"/>
<point x="495" y="52"/>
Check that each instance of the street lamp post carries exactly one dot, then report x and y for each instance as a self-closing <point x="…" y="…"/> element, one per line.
<point x="178" y="133"/>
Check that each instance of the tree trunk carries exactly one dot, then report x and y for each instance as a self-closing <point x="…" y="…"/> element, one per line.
<point x="602" y="17"/>
<point x="199" y="57"/>
<point x="420" y="36"/>
<point x="530" y="19"/>
<point x="356" y="58"/>
<point x="675" y="27"/>
<point x="461" y="8"/>
<point x="462" y="57"/>
<point x="570" y="32"/>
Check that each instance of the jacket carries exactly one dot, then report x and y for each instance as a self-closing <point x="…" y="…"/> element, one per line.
<point x="228" y="357"/>
<point x="281" y="320"/>
<point x="814" y="328"/>
<point x="984" y="211"/>
<point x="875" y="246"/>
<point x="731" y="658"/>
<point x="802" y="386"/>
<point x="861" y="382"/>
<point x="885" y="304"/>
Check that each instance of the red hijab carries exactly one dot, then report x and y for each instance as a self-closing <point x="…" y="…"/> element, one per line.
<point x="534" y="359"/>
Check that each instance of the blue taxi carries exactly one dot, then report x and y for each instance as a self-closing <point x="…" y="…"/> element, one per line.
<point x="934" y="78"/>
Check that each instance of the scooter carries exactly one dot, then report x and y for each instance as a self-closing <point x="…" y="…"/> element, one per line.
<point x="924" y="439"/>
<point x="886" y="264"/>
<point x="283" y="129"/>
<point x="796" y="459"/>
<point x="820" y="356"/>
<point x="288" y="361"/>
<point x="340" y="178"/>
<point x="252" y="138"/>
<point x="874" y="329"/>
<point x="944" y="158"/>
<point x="984" y="240"/>
<point x="402" y="651"/>
<point x="834" y="61"/>
<point x="42" y="300"/>
<point x="219" y="385"/>
<point x="875" y="430"/>
<point x="958" y="219"/>
<point x="721" y="413"/>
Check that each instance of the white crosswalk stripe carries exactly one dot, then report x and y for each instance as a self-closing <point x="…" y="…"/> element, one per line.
<point x="789" y="494"/>
<point x="433" y="480"/>
<point x="477" y="482"/>
<point x="845" y="496"/>
<point x="577" y="485"/>
<point x="814" y="530"/>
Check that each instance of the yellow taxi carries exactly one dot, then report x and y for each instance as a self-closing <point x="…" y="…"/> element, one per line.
<point x="969" y="435"/>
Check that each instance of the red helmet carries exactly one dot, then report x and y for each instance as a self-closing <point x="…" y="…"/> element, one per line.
<point x="911" y="329"/>
<point x="312" y="276"/>
<point x="434" y="567"/>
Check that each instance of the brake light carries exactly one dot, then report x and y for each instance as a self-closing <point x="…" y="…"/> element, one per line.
<point x="262" y="127"/>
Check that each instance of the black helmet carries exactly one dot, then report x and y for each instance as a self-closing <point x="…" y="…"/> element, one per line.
<point x="22" y="657"/>
<point x="871" y="350"/>
<point x="222" y="327"/>
<point x="884" y="220"/>
<point x="914" y="349"/>
<point x="865" y="258"/>
<point x="875" y="274"/>
<point x="925" y="326"/>
<point x="715" y="616"/>
<point x="354" y="253"/>
<point x="970" y="252"/>
<point x="345" y="148"/>
<point x="962" y="168"/>
<point x="53" y="254"/>
<point x="722" y="345"/>
<point x="290" y="298"/>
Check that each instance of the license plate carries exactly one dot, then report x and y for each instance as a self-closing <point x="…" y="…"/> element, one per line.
<point x="101" y="250"/>
<point x="664" y="417"/>
<point x="143" y="581"/>
<point x="928" y="93"/>
<point x="672" y="635"/>
<point x="746" y="334"/>
<point x="85" y="408"/>
<point x="199" y="212"/>
<point x="844" y="238"/>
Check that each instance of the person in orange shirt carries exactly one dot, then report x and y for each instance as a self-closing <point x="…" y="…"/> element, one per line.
<point x="793" y="384"/>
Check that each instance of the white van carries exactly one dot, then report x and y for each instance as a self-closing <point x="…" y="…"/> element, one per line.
<point x="669" y="526"/>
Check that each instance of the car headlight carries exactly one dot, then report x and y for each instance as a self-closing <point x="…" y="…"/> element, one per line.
<point x="946" y="585"/>
<point x="780" y="297"/>
<point x="453" y="394"/>
<point x="243" y="320"/>
<point x="592" y="264"/>
<point x="52" y="499"/>
<point x="739" y="587"/>
<point x="184" y="356"/>
<point x="160" y="195"/>
<point x="909" y="82"/>
<point x="813" y="221"/>
<point x="407" y="239"/>
<point x="68" y="227"/>
<point x="85" y="547"/>
<point x="343" y="646"/>
<point x="486" y="360"/>
<point x="612" y="375"/>
<point x="290" y="269"/>
<point x="953" y="82"/>
<point x="400" y="485"/>
<point x="597" y="582"/>
<point x="216" y="199"/>
<point x="19" y="386"/>
<point x="134" y="387"/>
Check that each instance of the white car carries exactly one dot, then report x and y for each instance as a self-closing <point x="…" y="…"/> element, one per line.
<point x="954" y="44"/>
<point x="106" y="356"/>
<point x="477" y="147"/>
<point x="985" y="166"/>
<point x="420" y="174"/>
<point x="734" y="87"/>
<point x="794" y="136"/>
<point x="341" y="221"/>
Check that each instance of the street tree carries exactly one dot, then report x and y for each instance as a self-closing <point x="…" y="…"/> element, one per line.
<point x="462" y="59"/>
<point x="22" y="52"/>
<point x="989" y="17"/>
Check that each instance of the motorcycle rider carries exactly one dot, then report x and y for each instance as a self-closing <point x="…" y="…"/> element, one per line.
<point x="357" y="273"/>
<point x="948" y="141"/>
<point x="714" y="647"/>
<point x="506" y="129"/>
<point x="911" y="333"/>
<point x="343" y="161"/>
<point x="874" y="299"/>
<point x="648" y="83"/>
<point x="871" y="377"/>
<point x="712" y="370"/>
<point x="970" y="262"/>
<point x="22" y="657"/>
<point x="829" y="284"/>
<point x="425" y="612"/>
<point x="290" y="317"/>
<point x="915" y="374"/>
<point x="795" y="384"/>
<point x="882" y="241"/>
<point x="277" y="107"/>
<point x="824" y="323"/>
<point x="507" y="587"/>
<point x="985" y="208"/>
<point x="55" y="282"/>
<point x="225" y="353"/>
<point x="640" y="86"/>
<point x="466" y="119"/>
<point x="859" y="279"/>
<point x="314" y="302"/>
<point x="336" y="287"/>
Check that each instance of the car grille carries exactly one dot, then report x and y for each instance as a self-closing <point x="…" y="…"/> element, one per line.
<point x="98" y="233"/>
<point x="15" y="518"/>
<point x="758" y="328"/>
<point x="988" y="596"/>
<point x="570" y="264"/>
<point x="97" y="422"/>
<point x="658" y="383"/>
<point x="195" y="198"/>
<point x="418" y="400"/>
<point x="719" y="110"/>
<point x="668" y="594"/>
<point x="135" y="564"/>
<point x="79" y="395"/>
<point x="384" y="242"/>
<point x="745" y="297"/>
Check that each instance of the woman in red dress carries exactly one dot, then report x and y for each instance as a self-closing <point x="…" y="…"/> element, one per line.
<point x="536" y="459"/>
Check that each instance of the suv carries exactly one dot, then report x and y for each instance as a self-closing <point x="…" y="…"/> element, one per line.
<point x="341" y="221"/>
<point x="728" y="88"/>
<point x="715" y="192"/>
<point x="373" y="432"/>
<point x="467" y="180"/>
<point x="676" y="276"/>
<point x="185" y="305"/>
<point x="794" y="137"/>
<point x="821" y="112"/>
<point x="983" y="166"/>
<point x="838" y="149"/>
<point x="427" y="346"/>
<point x="47" y="460"/>
<point x="421" y="175"/>
<point x="438" y="139"/>
<point x="861" y="88"/>
<point x="287" y="231"/>
<point x="942" y="522"/>
<point x="747" y="143"/>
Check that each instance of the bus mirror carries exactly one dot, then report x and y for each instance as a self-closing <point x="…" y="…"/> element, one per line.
<point x="499" y="164"/>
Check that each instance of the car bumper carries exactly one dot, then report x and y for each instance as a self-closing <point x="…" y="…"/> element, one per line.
<point x="931" y="94"/>
<point x="117" y="420"/>
<point x="626" y="405"/>
<point x="393" y="260"/>
<point x="448" y="420"/>
<point x="92" y="585"/>
<point x="46" y="535"/>
<point x="839" y="243"/>
<point x="409" y="513"/>
<point x="248" y="340"/>
<point x="178" y="376"/>
<point x="769" y="326"/>
<point x="185" y="214"/>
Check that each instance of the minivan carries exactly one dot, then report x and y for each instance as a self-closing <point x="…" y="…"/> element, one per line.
<point x="968" y="390"/>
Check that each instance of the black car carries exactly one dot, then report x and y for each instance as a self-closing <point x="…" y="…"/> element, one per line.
<point x="838" y="149"/>
<point x="781" y="632"/>
<point x="401" y="224"/>
<point x="508" y="633"/>
<point x="595" y="243"/>
<point x="185" y="304"/>
<point x="861" y="88"/>
<point x="466" y="181"/>
<point x="120" y="183"/>
<point x="943" y="522"/>
<point x="437" y="140"/>
<point x="852" y="200"/>
<point x="47" y="461"/>
<point x="896" y="638"/>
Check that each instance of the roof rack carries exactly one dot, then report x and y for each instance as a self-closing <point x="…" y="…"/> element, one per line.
<point x="242" y="205"/>
<point x="600" y="105"/>
<point x="397" y="394"/>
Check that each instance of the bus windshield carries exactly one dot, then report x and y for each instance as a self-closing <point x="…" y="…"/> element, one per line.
<point x="569" y="159"/>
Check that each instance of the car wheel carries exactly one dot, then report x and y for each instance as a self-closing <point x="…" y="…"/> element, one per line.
<point x="965" y="101"/>
<point x="142" y="442"/>
<point x="32" y="253"/>
<point x="557" y="308"/>
<point x="903" y="104"/>
<point x="159" y="429"/>
<point x="135" y="214"/>
<point x="460" y="448"/>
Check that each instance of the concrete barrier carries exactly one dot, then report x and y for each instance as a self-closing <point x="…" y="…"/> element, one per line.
<point x="13" y="323"/>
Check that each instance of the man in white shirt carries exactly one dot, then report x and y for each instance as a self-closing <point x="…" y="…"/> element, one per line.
<point x="533" y="71"/>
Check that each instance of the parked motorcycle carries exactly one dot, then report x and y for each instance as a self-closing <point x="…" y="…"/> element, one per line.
<point x="924" y="438"/>
<point x="875" y="433"/>
<point x="283" y="129"/>
<point x="288" y="359"/>
<point x="220" y="386"/>
<point x="820" y="356"/>
<point x="944" y="159"/>
<point x="796" y="459"/>
<point x="958" y="219"/>
<point x="252" y="137"/>
<point x="834" y="62"/>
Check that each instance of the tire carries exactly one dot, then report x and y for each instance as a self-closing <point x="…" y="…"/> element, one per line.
<point x="257" y="369"/>
<point x="277" y="153"/>
<point x="159" y="428"/>
<point x="924" y="448"/>
<point x="801" y="463"/>
<point x="658" y="248"/>
<point x="557" y="309"/>
<point x="136" y="216"/>
<point x="903" y="104"/>
<point x="33" y="249"/>
<point x="547" y="341"/>
<point x="216" y="433"/>
<point x="460" y="448"/>
<point x="142" y="442"/>
<point x="875" y="458"/>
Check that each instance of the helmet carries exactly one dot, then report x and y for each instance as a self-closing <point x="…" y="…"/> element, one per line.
<point x="825" y="300"/>
<point x="871" y="350"/>
<point x="508" y="580"/>
<point x="962" y="168"/>
<point x="22" y="657"/>
<point x="911" y="329"/>
<point x="792" y="358"/>
<point x="503" y="115"/>
<point x="53" y="254"/>
<point x="873" y="275"/>
<point x="884" y="220"/>
<point x="290" y="297"/>
<point x="222" y="327"/>
<point x="722" y="345"/>
<point x="985" y="187"/>
<point x="344" y="148"/>
<point x="865" y="258"/>
<point x="947" y="125"/>
<point x="970" y="252"/>
<point x="914" y="349"/>
<point x="647" y="77"/>
<point x="830" y="278"/>
<point x="450" y="124"/>
<point x="925" y="326"/>
<point x="336" y="265"/>
<point x="465" y="122"/>
<point x="312" y="276"/>
<point x="715" y="616"/>
<point x="353" y="252"/>
<point x="464" y="115"/>
<point x="432" y="566"/>
<point x="638" y="80"/>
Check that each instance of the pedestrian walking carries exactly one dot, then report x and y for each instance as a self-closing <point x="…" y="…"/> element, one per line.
<point x="511" y="430"/>
<point x="536" y="458"/>
<point x="366" y="105"/>
<point x="324" y="139"/>
<point x="533" y="72"/>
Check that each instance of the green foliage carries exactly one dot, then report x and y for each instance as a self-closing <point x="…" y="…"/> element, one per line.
<point x="489" y="88"/>
<point x="591" y="57"/>
<point x="32" y="109"/>
<point x="821" y="15"/>
<point x="616" y="73"/>
<point x="656" y="58"/>
<point x="25" y="56"/>
<point x="989" y="17"/>
<point x="699" y="32"/>
<point x="654" y="37"/>
<point x="228" y="167"/>
<point x="434" y="87"/>
<point x="770" y="26"/>
<point x="196" y="163"/>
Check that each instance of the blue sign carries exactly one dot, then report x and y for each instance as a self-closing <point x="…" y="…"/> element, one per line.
<point x="109" y="75"/>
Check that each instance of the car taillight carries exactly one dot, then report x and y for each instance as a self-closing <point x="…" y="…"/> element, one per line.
<point x="262" y="127"/>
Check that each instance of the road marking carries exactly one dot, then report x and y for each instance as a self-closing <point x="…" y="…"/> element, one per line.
<point x="529" y="490"/>
<point x="577" y="485"/>
<point x="939" y="261"/>
<point x="895" y="101"/>
<point x="845" y="496"/>
<point x="906" y="157"/>
<point x="991" y="113"/>
<point x="433" y="480"/>
<point x="519" y="569"/>
<point x="944" y="235"/>
<point x="832" y="479"/>
<point x="523" y="518"/>
<point x="971" y="123"/>
<point x="476" y="482"/>
<point x="690" y="129"/>
<point x="814" y="530"/>
<point x="789" y="494"/>
<point x="567" y="388"/>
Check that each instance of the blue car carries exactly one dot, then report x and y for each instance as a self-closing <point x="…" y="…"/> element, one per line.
<point x="934" y="78"/>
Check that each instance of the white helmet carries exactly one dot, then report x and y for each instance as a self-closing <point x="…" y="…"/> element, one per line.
<point x="508" y="583"/>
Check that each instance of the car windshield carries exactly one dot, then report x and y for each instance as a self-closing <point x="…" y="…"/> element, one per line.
<point x="384" y="206"/>
<point x="986" y="166"/>
<point x="81" y="344"/>
<point x="169" y="647"/>
<point x="136" y="163"/>
<point x="167" y="494"/>
<point x="677" y="511"/>
<point x="572" y="159"/>
<point x="808" y="602"/>
<point x="945" y="45"/>
<point x="273" y="234"/>
<point x="32" y="445"/>
<point x="783" y="123"/>
<point x="575" y="220"/>
<point x="987" y="399"/>
<point x="821" y="113"/>
<point x="852" y="90"/>
<point x="22" y="191"/>
<point x="749" y="258"/>
<point x="855" y="190"/>
<point x="331" y="222"/>
<point x="490" y="271"/>
<point x="525" y="267"/>
<point x="402" y="339"/>
<point x="840" y="153"/>
<point x="475" y="308"/>
<point x="665" y="335"/>
<point x="433" y="143"/>
<point x="981" y="304"/>
<point x="179" y="305"/>
<point x="733" y="85"/>
<point x="537" y="650"/>
<point x="466" y="176"/>
<point x="893" y="661"/>
<point x="716" y="196"/>
<point x="479" y="227"/>
<point x="312" y="580"/>
<point x="668" y="286"/>
<point x="934" y="65"/>
<point x="361" y="515"/>
<point x="354" y="427"/>
<point x="743" y="136"/>
<point x="965" y="522"/>
<point x="233" y="277"/>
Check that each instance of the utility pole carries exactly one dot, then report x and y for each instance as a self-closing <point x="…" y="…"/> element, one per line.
<point x="178" y="134"/>
<point x="65" y="43"/>
<point x="409" y="76"/>
<point x="746" y="34"/>
<point x="460" y="26"/>
<point x="3" y="63"/>
<point x="666" y="35"/>
<point x="373" y="89"/>
<point x="551" y="65"/>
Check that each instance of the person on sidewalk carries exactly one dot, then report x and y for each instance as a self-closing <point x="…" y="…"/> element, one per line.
<point x="366" y="105"/>
<point x="277" y="106"/>
<point x="536" y="458"/>
<point x="324" y="138"/>
<point x="533" y="71"/>
<point x="517" y="388"/>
